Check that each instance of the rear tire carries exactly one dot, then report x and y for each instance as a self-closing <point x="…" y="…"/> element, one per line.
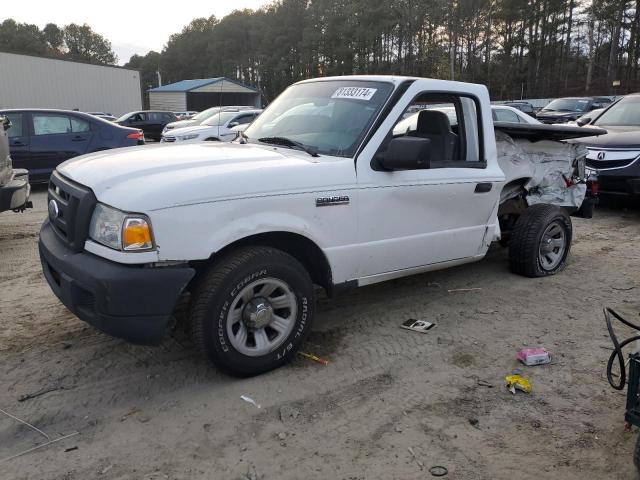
<point x="540" y="241"/>
<point x="252" y="310"/>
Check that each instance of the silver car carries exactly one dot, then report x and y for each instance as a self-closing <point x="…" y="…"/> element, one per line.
<point x="14" y="184"/>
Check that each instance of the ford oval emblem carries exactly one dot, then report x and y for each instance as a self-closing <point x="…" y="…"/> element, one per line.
<point x="601" y="155"/>
<point x="53" y="209"/>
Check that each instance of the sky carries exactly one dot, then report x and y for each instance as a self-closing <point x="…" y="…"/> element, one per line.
<point x="130" y="26"/>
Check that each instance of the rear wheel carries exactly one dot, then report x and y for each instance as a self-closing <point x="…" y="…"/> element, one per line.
<point x="252" y="310"/>
<point x="540" y="241"/>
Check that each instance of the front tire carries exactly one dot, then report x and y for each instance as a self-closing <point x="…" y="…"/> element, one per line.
<point x="540" y="241"/>
<point x="252" y="310"/>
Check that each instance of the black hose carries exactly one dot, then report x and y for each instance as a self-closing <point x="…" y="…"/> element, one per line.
<point x="617" y="348"/>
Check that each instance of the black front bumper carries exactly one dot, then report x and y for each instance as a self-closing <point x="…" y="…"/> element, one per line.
<point x="618" y="185"/>
<point x="129" y="302"/>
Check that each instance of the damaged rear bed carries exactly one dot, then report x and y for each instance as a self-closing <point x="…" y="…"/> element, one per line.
<point x="542" y="165"/>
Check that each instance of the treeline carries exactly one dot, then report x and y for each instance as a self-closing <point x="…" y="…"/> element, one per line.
<point x="72" y="42"/>
<point x="528" y="48"/>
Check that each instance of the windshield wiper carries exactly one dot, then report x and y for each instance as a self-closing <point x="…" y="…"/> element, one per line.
<point x="287" y="142"/>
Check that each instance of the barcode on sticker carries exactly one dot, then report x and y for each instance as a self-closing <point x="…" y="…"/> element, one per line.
<point x="356" y="93"/>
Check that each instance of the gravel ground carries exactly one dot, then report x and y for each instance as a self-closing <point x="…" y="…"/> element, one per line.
<point x="391" y="403"/>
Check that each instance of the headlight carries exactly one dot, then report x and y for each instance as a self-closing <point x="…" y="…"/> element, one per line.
<point x="120" y="230"/>
<point x="188" y="137"/>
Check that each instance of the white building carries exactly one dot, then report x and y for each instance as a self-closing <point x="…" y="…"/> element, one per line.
<point x="36" y="82"/>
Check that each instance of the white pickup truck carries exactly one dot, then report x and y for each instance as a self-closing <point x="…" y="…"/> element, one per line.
<point x="322" y="189"/>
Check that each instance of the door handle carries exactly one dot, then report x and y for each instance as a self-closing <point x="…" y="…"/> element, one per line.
<point x="483" y="187"/>
<point x="78" y="139"/>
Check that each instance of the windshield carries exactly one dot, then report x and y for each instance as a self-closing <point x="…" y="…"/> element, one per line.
<point x="123" y="117"/>
<point x="568" y="105"/>
<point x="219" y="119"/>
<point x="624" y="113"/>
<point x="205" y="113"/>
<point x="330" y="117"/>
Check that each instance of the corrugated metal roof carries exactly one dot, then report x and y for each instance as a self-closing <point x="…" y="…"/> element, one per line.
<point x="188" y="85"/>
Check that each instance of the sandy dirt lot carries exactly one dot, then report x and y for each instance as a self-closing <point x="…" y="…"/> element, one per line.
<point x="391" y="404"/>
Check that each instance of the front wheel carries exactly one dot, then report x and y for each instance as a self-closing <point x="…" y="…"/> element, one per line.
<point x="540" y="241"/>
<point x="252" y="310"/>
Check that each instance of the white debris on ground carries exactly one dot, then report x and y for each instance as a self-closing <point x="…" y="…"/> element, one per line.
<point x="548" y="163"/>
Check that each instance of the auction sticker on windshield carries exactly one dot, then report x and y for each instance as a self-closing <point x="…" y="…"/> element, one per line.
<point x="357" y="93"/>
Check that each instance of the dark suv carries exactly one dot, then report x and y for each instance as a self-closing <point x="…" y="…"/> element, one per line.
<point x="524" y="107"/>
<point x="615" y="157"/>
<point x="563" y="110"/>
<point x="150" y="122"/>
<point x="41" y="139"/>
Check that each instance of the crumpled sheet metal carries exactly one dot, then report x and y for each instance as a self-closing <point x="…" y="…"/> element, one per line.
<point x="545" y="163"/>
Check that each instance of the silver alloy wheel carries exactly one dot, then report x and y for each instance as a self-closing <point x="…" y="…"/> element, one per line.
<point x="261" y="317"/>
<point x="552" y="246"/>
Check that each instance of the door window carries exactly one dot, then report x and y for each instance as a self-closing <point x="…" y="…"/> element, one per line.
<point x="16" y="129"/>
<point x="243" y="119"/>
<point x="158" y="117"/>
<point x="450" y="123"/>
<point x="51" y="124"/>
<point x="504" y="115"/>
<point x="46" y="124"/>
<point x="79" y="126"/>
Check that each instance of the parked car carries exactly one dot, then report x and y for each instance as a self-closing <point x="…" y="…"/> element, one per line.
<point x="216" y="128"/>
<point x="587" y="118"/>
<point x="185" y="115"/>
<point x="334" y="199"/>
<point x="524" y="107"/>
<point x="615" y="157"/>
<point x="41" y="139"/>
<point x="150" y="122"/>
<point x="104" y="116"/>
<point x="202" y="116"/>
<point x="499" y="113"/>
<point x="563" y="110"/>
<point x="14" y="184"/>
<point x="508" y="113"/>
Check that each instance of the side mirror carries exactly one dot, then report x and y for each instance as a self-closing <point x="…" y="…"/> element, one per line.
<point x="6" y="123"/>
<point x="233" y="124"/>
<point x="583" y="121"/>
<point x="406" y="153"/>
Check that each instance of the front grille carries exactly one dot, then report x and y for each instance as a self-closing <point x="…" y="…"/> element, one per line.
<point x="169" y="139"/>
<point x="70" y="209"/>
<point x="604" y="164"/>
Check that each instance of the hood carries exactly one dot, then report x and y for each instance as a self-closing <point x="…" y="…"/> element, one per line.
<point x="618" y="137"/>
<point x="193" y="129"/>
<point x="182" y="123"/>
<point x="153" y="177"/>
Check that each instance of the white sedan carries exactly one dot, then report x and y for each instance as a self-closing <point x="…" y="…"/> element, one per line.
<point x="219" y="127"/>
<point x="500" y="113"/>
<point x="505" y="113"/>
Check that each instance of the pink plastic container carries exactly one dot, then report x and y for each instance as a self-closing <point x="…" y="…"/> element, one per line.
<point x="533" y="356"/>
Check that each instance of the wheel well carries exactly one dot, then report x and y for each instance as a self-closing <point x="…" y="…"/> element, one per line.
<point x="512" y="197"/>
<point x="512" y="204"/>
<point x="212" y="139"/>
<point x="298" y="246"/>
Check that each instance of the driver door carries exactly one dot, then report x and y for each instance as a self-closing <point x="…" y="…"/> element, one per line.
<point x="417" y="218"/>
